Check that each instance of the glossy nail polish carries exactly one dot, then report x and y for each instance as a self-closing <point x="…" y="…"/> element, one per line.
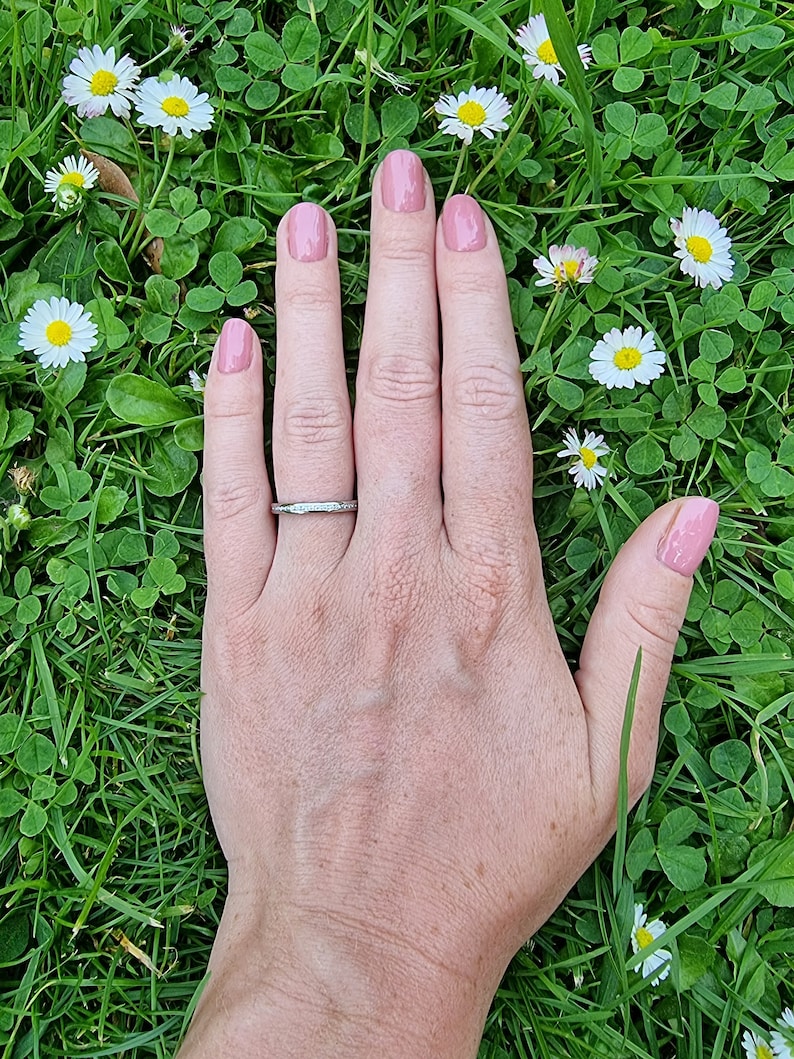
<point x="402" y="183"/>
<point x="463" y="224"/>
<point x="307" y="232"/>
<point x="235" y="347"/>
<point x="689" y="535"/>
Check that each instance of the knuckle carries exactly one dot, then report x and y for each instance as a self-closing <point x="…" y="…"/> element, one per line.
<point x="658" y="622"/>
<point x="321" y="420"/>
<point x="488" y="389"/>
<point x="400" y="247"/>
<point x="308" y="299"/>
<point x="402" y="377"/>
<point x="234" y="498"/>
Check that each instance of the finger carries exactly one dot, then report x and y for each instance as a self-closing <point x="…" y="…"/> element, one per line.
<point x="239" y="531"/>
<point x="397" y="419"/>
<point x="642" y="604"/>
<point x="486" y="450"/>
<point x="312" y="433"/>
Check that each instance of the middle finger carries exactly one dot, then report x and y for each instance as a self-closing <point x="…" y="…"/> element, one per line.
<point x="397" y="422"/>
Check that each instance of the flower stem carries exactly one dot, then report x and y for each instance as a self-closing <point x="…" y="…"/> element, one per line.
<point x="458" y="170"/>
<point x="141" y="235"/>
<point x="511" y="135"/>
<point x="166" y="170"/>
<point x="545" y="322"/>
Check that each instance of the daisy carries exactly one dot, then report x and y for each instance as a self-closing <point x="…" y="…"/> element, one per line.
<point x="644" y="934"/>
<point x="703" y="247"/>
<point x="622" y="358"/>
<point x="783" y="1043"/>
<point x="72" y="177"/>
<point x="587" y="471"/>
<point x="478" y="110"/>
<point x="756" y="1047"/>
<point x="57" y="331"/>
<point x="97" y="82"/>
<point x="175" y="106"/>
<point x="539" y="53"/>
<point x="565" y="264"/>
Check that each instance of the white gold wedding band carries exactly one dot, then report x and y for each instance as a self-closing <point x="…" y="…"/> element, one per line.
<point x="311" y="507"/>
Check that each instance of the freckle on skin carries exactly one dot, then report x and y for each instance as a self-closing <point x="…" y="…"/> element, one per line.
<point x="553" y="825"/>
<point x="480" y="869"/>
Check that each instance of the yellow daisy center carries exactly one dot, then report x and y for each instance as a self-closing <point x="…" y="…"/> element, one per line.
<point x="58" y="333"/>
<point x="567" y="272"/>
<point x="643" y="937"/>
<point x="700" y="248"/>
<point x="471" y="113"/>
<point x="762" y="1052"/>
<point x="589" y="459"/>
<point x="627" y="358"/>
<point x="73" y="178"/>
<point x="547" y="54"/>
<point x="175" y="106"/>
<point x="103" y="83"/>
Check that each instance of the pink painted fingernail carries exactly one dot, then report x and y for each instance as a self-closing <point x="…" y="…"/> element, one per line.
<point x="463" y="224"/>
<point x="235" y="347"/>
<point x="307" y="232"/>
<point x="689" y="535"/>
<point x="403" y="182"/>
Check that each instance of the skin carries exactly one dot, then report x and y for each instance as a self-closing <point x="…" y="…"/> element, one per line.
<point x="403" y="774"/>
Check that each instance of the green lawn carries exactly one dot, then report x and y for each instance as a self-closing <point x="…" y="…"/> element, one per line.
<point x="111" y="882"/>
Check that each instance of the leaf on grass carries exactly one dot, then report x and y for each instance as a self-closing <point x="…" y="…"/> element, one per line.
<point x="133" y="950"/>
<point x="112" y="178"/>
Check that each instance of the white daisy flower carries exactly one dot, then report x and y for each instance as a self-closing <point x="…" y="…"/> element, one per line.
<point x="756" y="1047"/>
<point x="67" y="183"/>
<point x="478" y="110"/>
<point x="586" y="471"/>
<point x="622" y="358"/>
<point x="565" y="264"/>
<point x="539" y="53"/>
<point x="644" y="934"/>
<point x="198" y="382"/>
<point x="783" y="1043"/>
<point x="57" y="331"/>
<point x="703" y="247"/>
<point x="175" y="106"/>
<point x="97" y="82"/>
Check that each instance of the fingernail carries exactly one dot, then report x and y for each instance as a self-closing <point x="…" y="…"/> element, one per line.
<point x="403" y="182"/>
<point x="463" y="224"/>
<point x="307" y="232"/>
<point x="689" y="535"/>
<point x="235" y="347"/>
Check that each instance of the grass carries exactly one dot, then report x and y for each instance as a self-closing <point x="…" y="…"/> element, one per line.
<point x="111" y="883"/>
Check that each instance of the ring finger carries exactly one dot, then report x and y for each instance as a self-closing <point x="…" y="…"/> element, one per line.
<point x="312" y="434"/>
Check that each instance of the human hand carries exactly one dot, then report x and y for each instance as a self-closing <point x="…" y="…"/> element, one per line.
<point x="403" y="774"/>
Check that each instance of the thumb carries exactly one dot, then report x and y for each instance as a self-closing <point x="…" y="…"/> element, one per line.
<point x="642" y="604"/>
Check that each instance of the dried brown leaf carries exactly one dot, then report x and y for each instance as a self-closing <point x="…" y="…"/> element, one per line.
<point x="112" y="178"/>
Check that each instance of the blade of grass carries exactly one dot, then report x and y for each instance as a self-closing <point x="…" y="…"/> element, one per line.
<point x="564" y="42"/>
<point x="623" y="779"/>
